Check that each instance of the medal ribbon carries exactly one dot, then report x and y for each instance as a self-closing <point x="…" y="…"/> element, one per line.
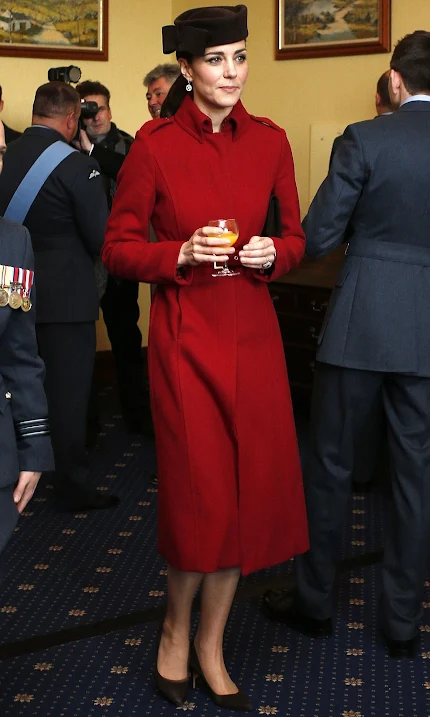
<point x="16" y="279"/>
<point x="27" y="281"/>
<point x="9" y="272"/>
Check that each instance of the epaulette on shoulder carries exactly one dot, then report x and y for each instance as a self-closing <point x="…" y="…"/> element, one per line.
<point x="266" y="121"/>
<point x="155" y="125"/>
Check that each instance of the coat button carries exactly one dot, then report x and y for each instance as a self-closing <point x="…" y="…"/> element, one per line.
<point x="236" y="258"/>
<point x="8" y="395"/>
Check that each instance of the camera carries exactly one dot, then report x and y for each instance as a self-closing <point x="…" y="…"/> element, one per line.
<point x="72" y="74"/>
<point x="64" y="74"/>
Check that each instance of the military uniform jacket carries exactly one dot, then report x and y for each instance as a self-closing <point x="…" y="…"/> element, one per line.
<point x="377" y="193"/>
<point x="66" y="222"/>
<point x="24" y="435"/>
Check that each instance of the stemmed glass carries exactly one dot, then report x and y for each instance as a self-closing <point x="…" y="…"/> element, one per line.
<point x="228" y="230"/>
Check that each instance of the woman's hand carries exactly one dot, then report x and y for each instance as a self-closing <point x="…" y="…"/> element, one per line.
<point x="259" y="253"/>
<point x="204" y="248"/>
<point x="25" y="488"/>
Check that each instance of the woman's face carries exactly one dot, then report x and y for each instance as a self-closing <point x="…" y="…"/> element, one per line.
<point x="219" y="76"/>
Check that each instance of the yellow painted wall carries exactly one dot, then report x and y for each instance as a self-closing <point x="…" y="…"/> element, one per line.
<point x="309" y="98"/>
<point x="134" y="49"/>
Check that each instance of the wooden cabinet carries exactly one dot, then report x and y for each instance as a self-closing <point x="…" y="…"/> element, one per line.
<point x="300" y="300"/>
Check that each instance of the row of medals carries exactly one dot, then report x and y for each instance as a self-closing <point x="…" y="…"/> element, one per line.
<point x="14" y="298"/>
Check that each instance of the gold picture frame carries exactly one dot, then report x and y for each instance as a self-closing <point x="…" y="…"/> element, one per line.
<point x="75" y="29"/>
<point x="329" y="28"/>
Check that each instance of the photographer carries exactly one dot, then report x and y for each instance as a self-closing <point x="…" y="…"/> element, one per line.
<point x="109" y="145"/>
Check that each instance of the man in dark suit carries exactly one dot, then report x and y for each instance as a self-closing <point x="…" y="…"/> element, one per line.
<point x="10" y="134"/>
<point x="66" y="222"/>
<point x="374" y="349"/>
<point x="382" y="104"/>
<point x="25" y="446"/>
<point x="109" y="146"/>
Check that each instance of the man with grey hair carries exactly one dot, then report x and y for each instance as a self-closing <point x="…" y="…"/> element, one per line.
<point x="158" y="83"/>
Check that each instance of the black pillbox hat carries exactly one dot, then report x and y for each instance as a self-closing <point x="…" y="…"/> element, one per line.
<point x="195" y="30"/>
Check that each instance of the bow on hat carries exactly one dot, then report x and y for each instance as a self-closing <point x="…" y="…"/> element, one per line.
<point x="195" y="30"/>
<point x="184" y="38"/>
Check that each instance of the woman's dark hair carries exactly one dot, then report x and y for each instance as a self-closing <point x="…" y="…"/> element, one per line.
<point x="411" y="59"/>
<point x="177" y="92"/>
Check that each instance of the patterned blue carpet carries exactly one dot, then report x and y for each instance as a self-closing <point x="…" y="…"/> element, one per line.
<point x="79" y="606"/>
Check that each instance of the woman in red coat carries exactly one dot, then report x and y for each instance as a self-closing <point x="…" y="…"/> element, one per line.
<point x="230" y="487"/>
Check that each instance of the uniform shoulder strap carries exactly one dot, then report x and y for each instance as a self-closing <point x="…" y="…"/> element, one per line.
<point x="267" y="122"/>
<point x="33" y="181"/>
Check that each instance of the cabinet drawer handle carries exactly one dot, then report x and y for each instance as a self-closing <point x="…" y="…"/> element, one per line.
<point x="312" y="366"/>
<point x="313" y="332"/>
<point x="319" y="308"/>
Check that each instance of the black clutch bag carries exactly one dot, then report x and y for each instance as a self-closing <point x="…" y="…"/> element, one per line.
<point x="273" y="224"/>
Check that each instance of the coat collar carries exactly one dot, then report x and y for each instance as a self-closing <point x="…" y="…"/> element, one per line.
<point x="198" y="125"/>
<point x="42" y="131"/>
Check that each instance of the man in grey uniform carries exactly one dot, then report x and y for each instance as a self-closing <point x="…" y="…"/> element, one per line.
<point x="374" y="349"/>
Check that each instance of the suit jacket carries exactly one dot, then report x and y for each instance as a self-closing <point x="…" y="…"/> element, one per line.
<point x="10" y="134"/>
<point x="24" y="431"/>
<point x="335" y="146"/>
<point x="378" y="187"/>
<point x="66" y="222"/>
<point x="338" y="140"/>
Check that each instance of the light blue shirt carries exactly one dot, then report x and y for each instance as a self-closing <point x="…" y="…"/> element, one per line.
<point x="417" y="98"/>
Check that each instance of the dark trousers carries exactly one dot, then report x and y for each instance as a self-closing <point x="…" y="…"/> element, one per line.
<point x="8" y="520"/>
<point x="121" y="313"/>
<point x="344" y="401"/>
<point x="68" y="351"/>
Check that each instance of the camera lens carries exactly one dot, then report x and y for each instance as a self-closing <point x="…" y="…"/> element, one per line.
<point x="74" y="73"/>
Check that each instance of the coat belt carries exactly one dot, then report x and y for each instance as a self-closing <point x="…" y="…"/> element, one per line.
<point x="389" y="251"/>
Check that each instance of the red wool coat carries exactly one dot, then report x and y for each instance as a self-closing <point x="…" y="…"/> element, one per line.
<point x="230" y="486"/>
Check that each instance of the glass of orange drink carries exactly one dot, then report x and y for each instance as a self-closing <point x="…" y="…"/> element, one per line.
<point x="228" y="230"/>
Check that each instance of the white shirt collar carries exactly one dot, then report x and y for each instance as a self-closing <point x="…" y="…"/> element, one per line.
<point x="416" y="98"/>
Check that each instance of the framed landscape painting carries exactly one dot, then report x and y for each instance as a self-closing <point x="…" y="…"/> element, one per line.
<point x="74" y="29"/>
<point x="324" y="28"/>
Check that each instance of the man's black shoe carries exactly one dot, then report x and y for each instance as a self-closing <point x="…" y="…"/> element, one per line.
<point x="92" y="502"/>
<point x="399" y="649"/>
<point x="281" y="605"/>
